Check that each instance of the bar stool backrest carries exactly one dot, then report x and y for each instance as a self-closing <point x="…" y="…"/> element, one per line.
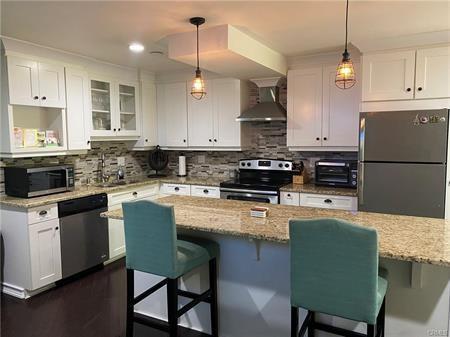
<point x="150" y="237"/>
<point x="334" y="268"/>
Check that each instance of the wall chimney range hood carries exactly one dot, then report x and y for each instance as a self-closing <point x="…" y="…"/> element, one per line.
<point x="269" y="107"/>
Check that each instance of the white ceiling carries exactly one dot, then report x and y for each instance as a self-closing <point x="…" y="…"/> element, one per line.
<point x="103" y="29"/>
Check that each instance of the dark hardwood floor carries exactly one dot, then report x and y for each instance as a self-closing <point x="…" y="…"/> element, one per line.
<point x="91" y="306"/>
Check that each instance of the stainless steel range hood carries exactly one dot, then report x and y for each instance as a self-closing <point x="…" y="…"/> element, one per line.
<point x="269" y="107"/>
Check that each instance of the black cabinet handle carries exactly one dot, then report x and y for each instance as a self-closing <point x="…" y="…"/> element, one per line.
<point x="210" y="140"/>
<point x="328" y="201"/>
<point x="135" y="193"/>
<point x="35" y="97"/>
<point x="215" y="140"/>
<point x="118" y="129"/>
<point x="205" y="191"/>
<point x="56" y="228"/>
<point x="184" y="140"/>
<point x="42" y="213"/>
<point x="177" y="189"/>
<point x="419" y="88"/>
<point x="317" y="138"/>
<point x="408" y="89"/>
<point x="44" y="98"/>
<point x="114" y="129"/>
<point x="146" y="140"/>
<point x="289" y="195"/>
<point x="324" y="138"/>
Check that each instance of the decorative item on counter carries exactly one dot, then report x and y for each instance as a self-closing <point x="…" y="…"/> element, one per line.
<point x="158" y="160"/>
<point x="259" y="212"/>
<point x="30" y="137"/>
<point x="182" y="166"/>
<point x="41" y="138"/>
<point x="18" y="137"/>
<point x="51" y="138"/>
<point x="300" y="176"/>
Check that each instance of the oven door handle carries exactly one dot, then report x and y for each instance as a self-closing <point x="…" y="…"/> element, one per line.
<point x="248" y="191"/>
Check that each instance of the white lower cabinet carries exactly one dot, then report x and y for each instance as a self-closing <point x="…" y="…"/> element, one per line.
<point x="116" y="232"/>
<point x="179" y="189"/>
<point x="45" y="253"/>
<point x="290" y="198"/>
<point x="205" y="191"/>
<point x="347" y="203"/>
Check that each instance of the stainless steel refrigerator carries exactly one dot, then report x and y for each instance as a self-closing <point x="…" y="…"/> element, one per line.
<point x="403" y="162"/>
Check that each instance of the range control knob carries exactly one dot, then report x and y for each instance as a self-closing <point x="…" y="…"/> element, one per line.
<point x="242" y="164"/>
<point x="280" y="165"/>
<point x="286" y="165"/>
<point x="249" y="164"/>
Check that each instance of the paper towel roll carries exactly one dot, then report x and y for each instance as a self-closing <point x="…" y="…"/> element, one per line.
<point x="182" y="166"/>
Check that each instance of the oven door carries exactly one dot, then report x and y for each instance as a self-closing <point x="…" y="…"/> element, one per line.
<point x="268" y="197"/>
<point x="336" y="174"/>
<point x="46" y="180"/>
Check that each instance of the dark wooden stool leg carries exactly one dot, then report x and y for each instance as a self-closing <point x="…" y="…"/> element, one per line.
<point x="294" y="322"/>
<point x="370" y="330"/>
<point x="214" y="303"/>
<point x="130" y="304"/>
<point x="172" y="306"/>
<point x="311" y="324"/>
<point x="382" y="318"/>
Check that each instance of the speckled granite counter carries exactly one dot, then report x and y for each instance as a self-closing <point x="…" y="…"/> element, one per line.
<point x="311" y="188"/>
<point x="84" y="191"/>
<point x="423" y="240"/>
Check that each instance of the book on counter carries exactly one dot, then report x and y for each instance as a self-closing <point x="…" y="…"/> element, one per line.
<point x="259" y="212"/>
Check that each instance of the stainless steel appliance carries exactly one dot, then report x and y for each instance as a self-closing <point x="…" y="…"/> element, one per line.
<point x="403" y="162"/>
<point x="337" y="172"/>
<point x="84" y="234"/>
<point x="258" y="180"/>
<point x="27" y="181"/>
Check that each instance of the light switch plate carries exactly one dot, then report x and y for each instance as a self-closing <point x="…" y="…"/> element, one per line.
<point x="121" y="161"/>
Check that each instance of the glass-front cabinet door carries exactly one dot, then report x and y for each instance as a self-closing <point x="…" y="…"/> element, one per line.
<point x="128" y="110"/>
<point x="102" y="109"/>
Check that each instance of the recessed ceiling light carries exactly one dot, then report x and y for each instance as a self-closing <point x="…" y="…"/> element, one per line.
<point x="136" y="47"/>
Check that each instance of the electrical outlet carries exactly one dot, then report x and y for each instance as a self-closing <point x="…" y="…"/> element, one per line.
<point x="121" y="161"/>
<point x="201" y="159"/>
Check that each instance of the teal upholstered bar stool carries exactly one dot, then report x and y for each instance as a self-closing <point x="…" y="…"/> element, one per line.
<point x="334" y="270"/>
<point x="152" y="247"/>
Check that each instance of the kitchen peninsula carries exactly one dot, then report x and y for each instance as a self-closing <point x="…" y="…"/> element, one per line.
<point x="254" y="266"/>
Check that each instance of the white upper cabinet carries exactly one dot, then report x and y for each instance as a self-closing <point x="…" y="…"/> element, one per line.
<point x="388" y="76"/>
<point x="78" y="109"/>
<point x="227" y="106"/>
<point x="433" y="73"/>
<point x="149" y="132"/>
<point x="340" y="119"/>
<point x="320" y="115"/>
<point x="171" y="103"/>
<point x="304" y="103"/>
<point x="200" y="119"/>
<point x="407" y="75"/>
<point x="35" y="83"/>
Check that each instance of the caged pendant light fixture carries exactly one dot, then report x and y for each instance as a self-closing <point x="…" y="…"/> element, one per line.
<point x="198" y="85"/>
<point x="345" y="73"/>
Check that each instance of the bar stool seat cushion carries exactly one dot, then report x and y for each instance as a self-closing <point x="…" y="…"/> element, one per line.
<point x="192" y="253"/>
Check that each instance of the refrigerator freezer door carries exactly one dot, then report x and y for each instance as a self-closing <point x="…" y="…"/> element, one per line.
<point x="408" y="189"/>
<point x="404" y="136"/>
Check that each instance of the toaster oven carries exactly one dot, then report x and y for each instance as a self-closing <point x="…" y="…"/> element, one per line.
<point x="338" y="173"/>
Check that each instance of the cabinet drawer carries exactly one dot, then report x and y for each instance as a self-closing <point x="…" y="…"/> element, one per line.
<point x="205" y="191"/>
<point x="42" y="213"/>
<point x="179" y="189"/>
<point x="290" y="198"/>
<point x="328" y="201"/>
<point x="132" y="194"/>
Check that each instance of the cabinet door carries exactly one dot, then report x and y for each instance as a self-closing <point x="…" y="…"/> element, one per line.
<point x="23" y="81"/>
<point x="200" y="119"/>
<point x="102" y="107"/>
<point x="116" y="235"/>
<point x="304" y="115"/>
<point x="340" y="119"/>
<point x="45" y="253"/>
<point x="172" y="114"/>
<point x="226" y="107"/>
<point x="78" y="109"/>
<point x="128" y="118"/>
<point x="388" y="76"/>
<point x="433" y="73"/>
<point x="149" y="117"/>
<point x="51" y="85"/>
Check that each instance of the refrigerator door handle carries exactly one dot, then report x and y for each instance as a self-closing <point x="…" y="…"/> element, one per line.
<point x="361" y="184"/>
<point x="362" y="138"/>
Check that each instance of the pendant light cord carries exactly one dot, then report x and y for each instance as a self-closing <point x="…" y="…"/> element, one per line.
<point x="198" y="61"/>
<point x="346" y="27"/>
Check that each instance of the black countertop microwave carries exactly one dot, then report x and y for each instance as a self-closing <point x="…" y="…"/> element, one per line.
<point x="338" y="173"/>
<point x="28" y="182"/>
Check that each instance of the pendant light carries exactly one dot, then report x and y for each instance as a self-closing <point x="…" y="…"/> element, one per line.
<point x="198" y="85"/>
<point x="345" y="74"/>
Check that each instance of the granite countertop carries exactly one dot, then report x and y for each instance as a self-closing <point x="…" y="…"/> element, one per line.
<point x="83" y="191"/>
<point x="423" y="240"/>
<point x="311" y="188"/>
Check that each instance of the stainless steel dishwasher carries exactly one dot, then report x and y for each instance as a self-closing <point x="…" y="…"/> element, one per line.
<point x="84" y="234"/>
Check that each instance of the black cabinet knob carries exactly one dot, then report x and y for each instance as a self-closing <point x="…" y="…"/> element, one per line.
<point x="324" y="138"/>
<point x="114" y="129"/>
<point x="56" y="228"/>
<point x="118" y="129"/>
<point x="35" y="97"/>
<point x="317" y="138"/>
<point x="44" y="98"/>
<point x="89" y="142"/>
<point x="408" y="89"/>
<point x="146" y="140"/>
<point x="419" y="88"/>
<point x="184" y="140"/>
<point x="210" y="140"/>
<point x="215" y="140"/>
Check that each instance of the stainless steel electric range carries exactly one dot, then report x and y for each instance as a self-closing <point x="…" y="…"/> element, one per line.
<point x="258" y="180"/>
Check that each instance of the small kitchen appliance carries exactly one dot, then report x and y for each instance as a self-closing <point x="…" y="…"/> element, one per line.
<point x="258" y="180"/>
<point x="336" y="172"/>
<point x="158" y="161"/>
